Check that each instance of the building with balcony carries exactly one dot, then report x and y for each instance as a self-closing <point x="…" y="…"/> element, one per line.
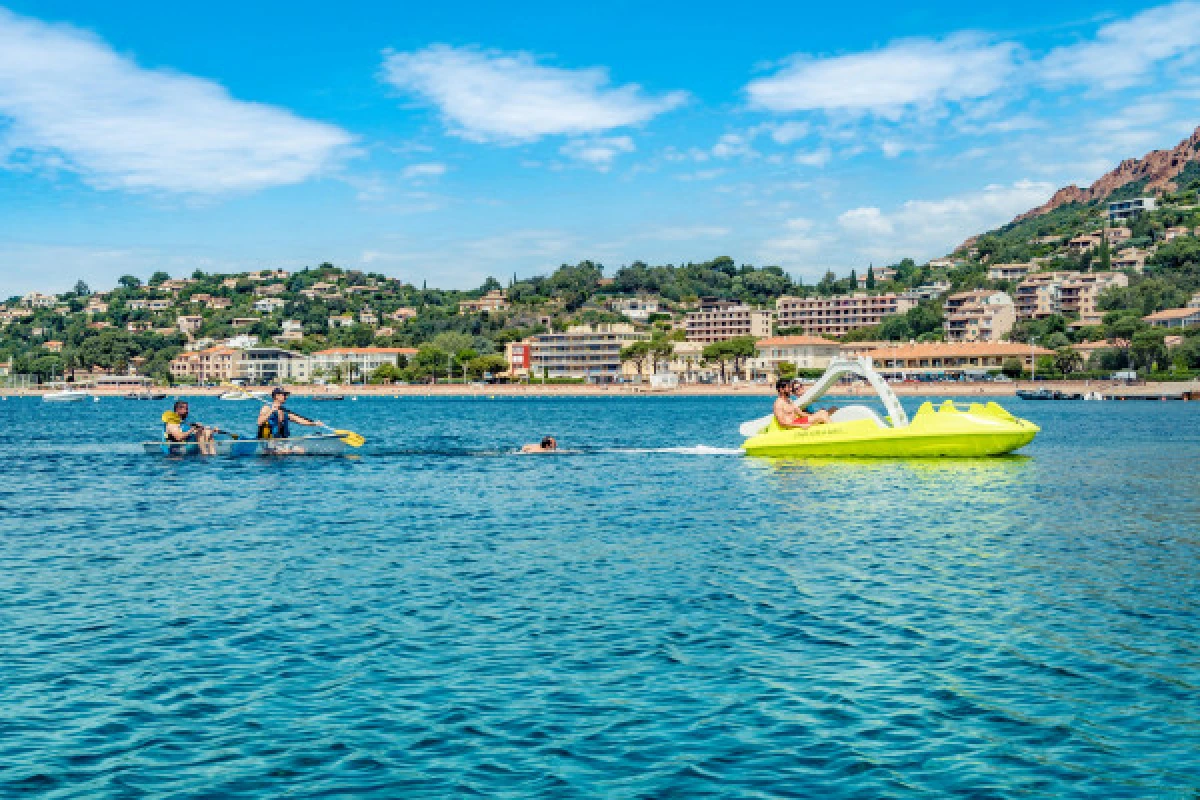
<point x="1123" y="210"/>
<point x="718" y="320"/>
<point x="837" y="316"/>
<point x="961" y="359"/>
<point x="1175" y="318"/>
<point x="262" y="366"/>
<point x="212" y="365"/>
<point x="189" y="323"/>
<point x="1036" y="297"/>
<point x="978" y="316"/>
<point x="1078" y="292"/>
<point x="590" y="352"/>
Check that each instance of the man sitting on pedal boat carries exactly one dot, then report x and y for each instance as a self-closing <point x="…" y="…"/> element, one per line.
<point x="788" y="414"/>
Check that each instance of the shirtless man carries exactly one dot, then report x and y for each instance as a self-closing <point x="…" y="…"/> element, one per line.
<point x="547" y="445"/>
<point x="788" y="414"/>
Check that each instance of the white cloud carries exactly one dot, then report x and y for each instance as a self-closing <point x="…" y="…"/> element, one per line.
<point x="869" y="221"/>
<point x="599" y="152"/>
<point x="814" y="158"/>
<point x="797" y="245"/>
<point x="1124" y="53"/>
<point x="509" y="97"/>
<point x="925" y="228"/>
<point x="911" y="73"/>
<point x="430" y="170"/>
<point x="72" y="103"/>
<point x="733" y="144"/>
<point x="788" y="132"/>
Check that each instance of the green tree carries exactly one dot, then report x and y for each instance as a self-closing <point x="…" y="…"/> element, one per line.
<point x="1012" y="367"/>
<point x="129" y="281"/>
<point x="487" y="365"/>
<point x="786" y="370"/>
<point x="638" y="353"/>
<point x="158" y="278"/>
<point x="717" y="353"/>
<point x="741" y="349"/>
<point x="82" y="289"/>
<point x="1067" y="360"/>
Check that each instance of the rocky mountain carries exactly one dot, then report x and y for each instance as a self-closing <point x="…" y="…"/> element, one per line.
<point x="1158" y="169"/>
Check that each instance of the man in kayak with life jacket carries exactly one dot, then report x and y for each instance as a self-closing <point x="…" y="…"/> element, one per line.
<point x="174" y="429"/>
<point x="788" y="414"/>
<point x="274" y="421"/>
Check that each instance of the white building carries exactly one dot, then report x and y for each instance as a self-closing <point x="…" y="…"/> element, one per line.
<point x="364" y="360"/>
<point x="269" y="305"/>
<point x="803" y="352"/>
<point x="637" y="309"/>
<point x="262" y="366"/>
<point x="38" y="300"/>
<point x="1126" y="209"/>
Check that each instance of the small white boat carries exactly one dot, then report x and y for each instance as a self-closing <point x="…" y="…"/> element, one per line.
<point x="66" y="396"/>
<point x="237" y="394"/>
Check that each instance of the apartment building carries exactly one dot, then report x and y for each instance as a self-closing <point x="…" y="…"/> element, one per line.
<point x="1175" y="232"/>
<point x="804" y="352"/>
<point x="591" y="352"/>
<point x="926" y="291"/>
<point x="38" y="300"/>
<point x="293" y="331"/>
<point x="518" y="354"/>
<point x="212" y="365"/>
<point x="262" y="366"/>
<point x="978" y="316"/>
<point x="1127" y="209"/>
<point x="837" y="316"/>
<point x="718" y="320"/>
<point x="1036" y="297"/>
<point x="1078" y="292"/>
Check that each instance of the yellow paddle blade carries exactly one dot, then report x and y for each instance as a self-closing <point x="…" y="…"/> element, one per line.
<point x="351" y="438"/>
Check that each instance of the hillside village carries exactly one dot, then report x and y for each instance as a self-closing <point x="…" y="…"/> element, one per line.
<point x="1093" y="282"/>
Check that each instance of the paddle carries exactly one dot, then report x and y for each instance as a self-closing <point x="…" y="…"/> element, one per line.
<point x="349" y="437"/>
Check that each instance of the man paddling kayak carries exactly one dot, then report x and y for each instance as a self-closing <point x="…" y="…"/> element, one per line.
<point x="274" y="421"/>
<point x="174" y="430"/>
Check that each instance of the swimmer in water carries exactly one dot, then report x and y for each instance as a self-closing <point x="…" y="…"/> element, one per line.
<point x="546" y="445"/>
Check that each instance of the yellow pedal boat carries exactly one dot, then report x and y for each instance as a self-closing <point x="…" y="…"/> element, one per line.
<point x="857" y="431"/>
<point x="980" y="430"/>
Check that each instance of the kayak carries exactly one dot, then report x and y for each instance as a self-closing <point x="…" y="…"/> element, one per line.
<point x="948" y="431"/>
<point x="859" y="432"/>
<point x="320" y="445"/>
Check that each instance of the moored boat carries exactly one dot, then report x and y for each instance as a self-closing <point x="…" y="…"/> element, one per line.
<point x="860" y="432"/>
<point x="66" y="396"/>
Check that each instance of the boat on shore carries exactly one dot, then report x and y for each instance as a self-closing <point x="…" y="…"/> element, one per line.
<point x="1047" y="394"/>
<point x="146" y="396"/>
<point x="859" y="432"/>
<point x="317" y="445"/>
<point x="66" y="396"/>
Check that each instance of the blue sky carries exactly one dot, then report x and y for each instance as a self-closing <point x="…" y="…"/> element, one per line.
<point x="451" y="143"/>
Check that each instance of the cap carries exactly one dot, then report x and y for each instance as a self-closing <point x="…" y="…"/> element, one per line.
<point x="279" y="390"/>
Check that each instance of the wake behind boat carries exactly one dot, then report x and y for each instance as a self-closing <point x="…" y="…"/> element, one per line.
<point x="325" y="444"/>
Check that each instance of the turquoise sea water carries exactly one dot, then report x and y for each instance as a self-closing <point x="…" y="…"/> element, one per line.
<point x="649" y="615"/>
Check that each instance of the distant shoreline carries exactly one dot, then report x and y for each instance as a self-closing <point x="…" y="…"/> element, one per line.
<point x="692" y="390"/>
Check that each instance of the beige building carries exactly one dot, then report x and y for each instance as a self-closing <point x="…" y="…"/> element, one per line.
<point x="881" y="275"/>
<point x="979" y="316"/>
<point x="1131" y="258"/>
<point x="591" y="352"/>
<point x="1175" y="318"/>
<point x="189" y="323"/>
<point x="213" y="365"/>
<point x="1036" y="297"/>
<point x="803" y="352"/>
<point x="961" y="358"/>
<point x="718" y="320"/>
<point x="837" y="316"/>
<point x="1009" y="272"/>
<point x="1078" y="292"/>
<point x="495" y="300"/>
